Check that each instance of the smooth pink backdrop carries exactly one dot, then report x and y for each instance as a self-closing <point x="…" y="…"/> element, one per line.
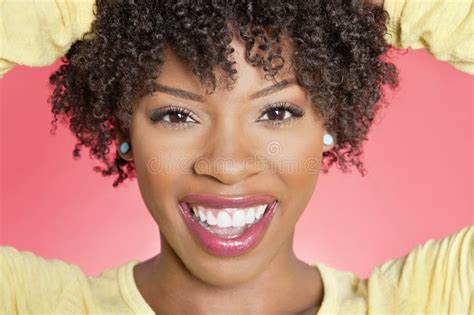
<point x="419" y="184"/>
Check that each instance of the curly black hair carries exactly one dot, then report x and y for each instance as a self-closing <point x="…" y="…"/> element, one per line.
<point x="338" y="57"/>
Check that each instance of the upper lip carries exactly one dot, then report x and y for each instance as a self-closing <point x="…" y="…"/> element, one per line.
<point x="220" y="202"/>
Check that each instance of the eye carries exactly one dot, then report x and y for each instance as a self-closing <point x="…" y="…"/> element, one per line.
<point x="281" y="113"/>
<point x="172" y="116"/>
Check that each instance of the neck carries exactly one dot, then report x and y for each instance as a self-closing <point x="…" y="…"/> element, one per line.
<point x="170" y="288"/>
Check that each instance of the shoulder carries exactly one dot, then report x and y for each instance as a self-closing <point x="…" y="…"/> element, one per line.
<point x="31" y="282"/>
<point x="26" y="263"/>
<point x="28" y="281"/>
<point x="435" y="275"/>
<point x="452" y="251"/>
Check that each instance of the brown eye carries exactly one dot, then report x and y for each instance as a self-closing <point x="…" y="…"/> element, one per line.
<point x="281" y="113"/>
<point x="277" y="114"/>
<point x="171" y="115"/>
<point x="176" y="117"/>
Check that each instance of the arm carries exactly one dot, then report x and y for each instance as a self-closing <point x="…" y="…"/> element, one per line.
<point x="434" y="277"/>
<point x="36" y="33"/>
<point x="443" y="27"/>
<point x="30" y="283"/>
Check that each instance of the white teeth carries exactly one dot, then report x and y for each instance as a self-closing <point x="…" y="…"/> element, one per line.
<point x="211" y="220"/>
<point x="194" y="211"/>
<point x="223" y="219"/>
<point x="238" y="218"/>
<point x="202" y="214"/>
<point x="260" y="210"/>
<point x="250" y="216"/>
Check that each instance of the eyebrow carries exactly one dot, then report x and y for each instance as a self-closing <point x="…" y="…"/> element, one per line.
<point x="179" y="93"/>
<point x="272" y="89"/>
<point x="198" y="98"/>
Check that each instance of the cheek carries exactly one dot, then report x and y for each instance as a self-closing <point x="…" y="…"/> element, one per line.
<point x="298" y="165"/>
<point x="162" y="165"/>
<point x="297" y="155"/>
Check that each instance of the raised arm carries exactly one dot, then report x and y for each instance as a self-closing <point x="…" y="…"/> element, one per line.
<point x="444" y="27"/>
<point x="36" y="33"/>
<point x="435" y="277"/>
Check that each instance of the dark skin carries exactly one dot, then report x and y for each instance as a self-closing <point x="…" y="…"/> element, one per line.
<point x="377" y="2"/>
<point x="184" y="278"/>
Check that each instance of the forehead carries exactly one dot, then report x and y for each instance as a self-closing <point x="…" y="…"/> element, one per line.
<point x="177" y="72"/>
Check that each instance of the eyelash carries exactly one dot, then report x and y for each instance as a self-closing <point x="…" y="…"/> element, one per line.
<point x="294" y="110"/>
<point x="157" y="116"/>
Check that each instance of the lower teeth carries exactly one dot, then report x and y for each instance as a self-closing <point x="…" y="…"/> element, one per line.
<point x="206" y="225"/>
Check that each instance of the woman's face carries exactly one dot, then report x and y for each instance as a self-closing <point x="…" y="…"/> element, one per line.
<point x="225" y="146"/>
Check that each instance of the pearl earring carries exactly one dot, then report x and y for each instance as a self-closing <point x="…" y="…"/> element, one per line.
<point x="124" y="147"/>
<point x="327" y="139"/>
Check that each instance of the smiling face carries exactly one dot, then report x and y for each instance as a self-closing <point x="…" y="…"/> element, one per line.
<point x="227" y="143"/>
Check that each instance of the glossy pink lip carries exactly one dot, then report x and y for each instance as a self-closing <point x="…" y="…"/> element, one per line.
<point x="228" y="246"/>
<point x="220" y="202"/>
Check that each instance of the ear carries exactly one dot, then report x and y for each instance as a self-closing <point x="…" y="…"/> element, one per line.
<point x="121" y="138"/>
<point x="328" y="147"/>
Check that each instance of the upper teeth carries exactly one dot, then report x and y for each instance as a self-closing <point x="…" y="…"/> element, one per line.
<point x="230" y="216"/>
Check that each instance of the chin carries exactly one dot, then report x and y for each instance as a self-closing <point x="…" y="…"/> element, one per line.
<point x="227" y="274"/>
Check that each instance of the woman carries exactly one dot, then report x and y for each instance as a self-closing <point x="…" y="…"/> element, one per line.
<point x="152" y="79"/>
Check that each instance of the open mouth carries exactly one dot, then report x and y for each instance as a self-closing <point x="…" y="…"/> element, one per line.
<point x="229" y="222"/>
<point x="221" y="235"/>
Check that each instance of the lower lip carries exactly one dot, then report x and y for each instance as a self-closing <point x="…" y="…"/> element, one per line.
<point x="229" y="246"/>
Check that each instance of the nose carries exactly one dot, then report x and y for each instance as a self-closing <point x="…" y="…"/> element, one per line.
<point x="229" y="156"/>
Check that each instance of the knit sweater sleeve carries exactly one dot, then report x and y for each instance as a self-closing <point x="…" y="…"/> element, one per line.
<point x="436" y="277"/>
<point x="36" y="33"/>
<point x="444" y="27"/>
<point x="31" y="284"/>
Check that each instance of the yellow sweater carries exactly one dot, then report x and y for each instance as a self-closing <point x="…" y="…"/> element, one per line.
<point x="436" y="277"/>
<point x="36" y="33"/>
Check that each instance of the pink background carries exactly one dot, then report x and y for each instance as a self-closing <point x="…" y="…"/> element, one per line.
<point x="418" y="187"/>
